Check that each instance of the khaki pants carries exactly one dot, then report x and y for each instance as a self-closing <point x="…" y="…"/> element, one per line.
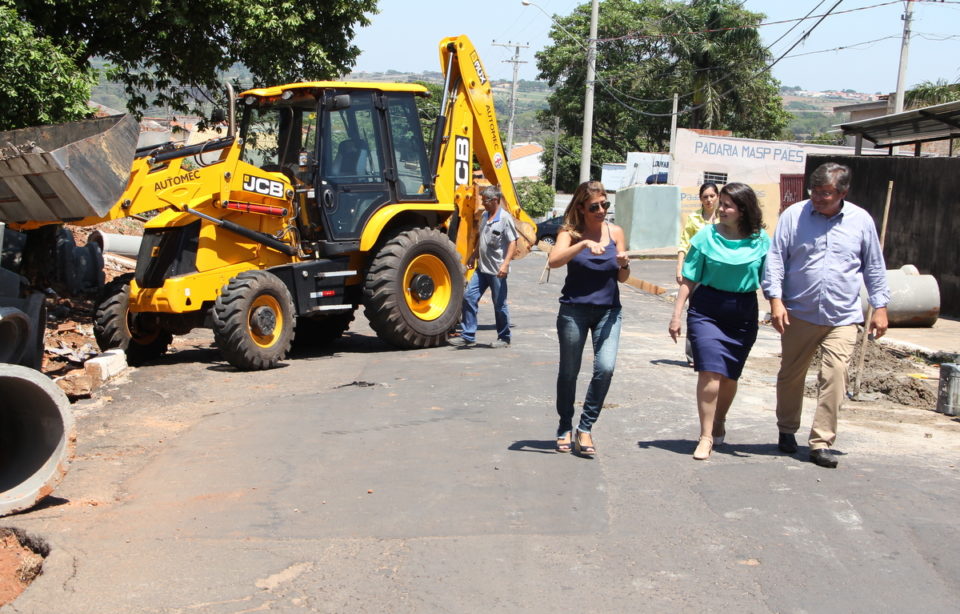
<point x="799" y="343"/>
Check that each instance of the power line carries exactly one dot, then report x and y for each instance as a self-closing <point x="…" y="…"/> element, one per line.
<point x="745" y="26"/>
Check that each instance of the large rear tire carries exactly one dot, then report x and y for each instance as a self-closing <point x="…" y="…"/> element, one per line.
<point x="253" y="320"/>
<point x="140" y="335"/>
<point x="414" y="288"/>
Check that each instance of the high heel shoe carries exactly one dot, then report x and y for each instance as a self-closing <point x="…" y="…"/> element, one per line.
<point x="583" y="449"/>
<point x="704" y="448"/>
<point x="564" y="442"/>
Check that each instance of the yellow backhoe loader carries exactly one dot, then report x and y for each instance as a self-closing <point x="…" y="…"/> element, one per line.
<point x="320" y="197"/>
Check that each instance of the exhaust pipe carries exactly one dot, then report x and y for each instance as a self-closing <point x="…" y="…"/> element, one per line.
<point x="37" y="437"/>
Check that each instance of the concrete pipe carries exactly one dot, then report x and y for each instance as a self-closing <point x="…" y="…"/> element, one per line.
<point x="914" y="298"/>
<point x="14" y="334"/>
<point x="123" y="245"/>
<point x="37" y="437"/>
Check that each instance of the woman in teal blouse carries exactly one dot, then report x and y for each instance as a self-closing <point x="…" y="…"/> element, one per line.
<point x="721" y="274"/>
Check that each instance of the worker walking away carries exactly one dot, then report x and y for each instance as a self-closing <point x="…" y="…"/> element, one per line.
<point x="821" y="249"/>
<point x="496" y="245"/>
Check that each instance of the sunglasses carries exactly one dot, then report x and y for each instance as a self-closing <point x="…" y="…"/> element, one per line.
<point x="594" y="207"/>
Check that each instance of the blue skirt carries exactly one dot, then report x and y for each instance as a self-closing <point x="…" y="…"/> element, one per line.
<point x="722" y="327"/>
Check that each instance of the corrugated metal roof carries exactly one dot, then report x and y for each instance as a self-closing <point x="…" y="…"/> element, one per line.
<point x="933" y="123"/>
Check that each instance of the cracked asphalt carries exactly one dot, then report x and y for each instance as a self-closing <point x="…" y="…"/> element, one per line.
<point x="363" y="479"/>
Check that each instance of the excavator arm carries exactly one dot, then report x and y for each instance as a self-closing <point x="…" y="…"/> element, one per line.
<point x="467" y="132"/>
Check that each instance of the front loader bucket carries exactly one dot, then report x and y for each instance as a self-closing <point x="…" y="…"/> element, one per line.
<point x="67" y="171"/>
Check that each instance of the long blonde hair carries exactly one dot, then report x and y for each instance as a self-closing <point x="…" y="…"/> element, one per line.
<point x="573" y="216"/>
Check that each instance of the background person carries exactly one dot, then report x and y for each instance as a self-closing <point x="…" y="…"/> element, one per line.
<point x="697" y="220"/>
<point x="821" y="249"/>
<point x="726" y="259"/>
<point x="594" y="253"/>
<point x="495" y="248"/>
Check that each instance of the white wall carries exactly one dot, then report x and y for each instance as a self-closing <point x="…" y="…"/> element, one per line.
<point x="746" y="160"/>
<point x="526" y="167"/>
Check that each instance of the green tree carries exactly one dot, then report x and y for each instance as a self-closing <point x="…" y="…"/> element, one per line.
<point x="536" y="197"/>
<point x="646" y="52"/>
<point x="568" y="161"/>
<point x="38" y="83"/>
<point x="173" y="54"/>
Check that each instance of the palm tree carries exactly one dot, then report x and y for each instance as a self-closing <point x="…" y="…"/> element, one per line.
<point x="722" y="57"/>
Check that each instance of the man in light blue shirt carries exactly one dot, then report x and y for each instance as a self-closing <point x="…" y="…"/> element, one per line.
<point x="821" y="250"/>
<point x="495" y="248"/>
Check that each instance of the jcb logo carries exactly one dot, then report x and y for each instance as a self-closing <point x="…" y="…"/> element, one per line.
<point x="480" y="75"/>
<point x="462" y="157"/>
<point x="260" y="185"/>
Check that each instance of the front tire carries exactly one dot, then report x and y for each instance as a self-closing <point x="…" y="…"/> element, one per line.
<point x="140" y="335"/>
<point x="253" y="320"/>
<point x="414" y="288"/>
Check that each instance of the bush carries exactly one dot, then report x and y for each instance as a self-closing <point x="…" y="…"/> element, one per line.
<point x="536" y="198"/>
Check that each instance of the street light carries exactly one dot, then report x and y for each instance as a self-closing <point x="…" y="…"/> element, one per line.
<point x="586" y="146"/>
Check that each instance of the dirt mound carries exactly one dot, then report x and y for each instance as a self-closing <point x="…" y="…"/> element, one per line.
<point x="21" y="560"/>
<point x="888" y="373"/>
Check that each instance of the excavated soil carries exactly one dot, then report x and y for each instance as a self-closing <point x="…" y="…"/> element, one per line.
<point x="20" y="563"/>
<point x="888" y="374"/>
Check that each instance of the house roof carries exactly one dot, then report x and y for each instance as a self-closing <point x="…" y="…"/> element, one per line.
<point x="524" y="150"/>
<point x="934" y="123"/>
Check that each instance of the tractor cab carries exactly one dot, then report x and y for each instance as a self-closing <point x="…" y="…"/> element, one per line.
<point x="348" y="148"/>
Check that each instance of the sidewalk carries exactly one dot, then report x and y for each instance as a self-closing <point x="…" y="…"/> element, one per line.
<point x="653" y="271"/>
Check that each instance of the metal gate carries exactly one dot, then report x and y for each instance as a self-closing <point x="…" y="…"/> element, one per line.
<point x="791" y="190"/>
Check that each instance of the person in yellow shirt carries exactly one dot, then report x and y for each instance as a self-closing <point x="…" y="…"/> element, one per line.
<point x="709" y="196"/>
<point x="697" y="220"/>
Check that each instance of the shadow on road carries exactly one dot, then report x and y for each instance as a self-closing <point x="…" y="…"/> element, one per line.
<point x="686" y="446"/>
<point x="675" y="363"/>
<point x="534" y="445"/>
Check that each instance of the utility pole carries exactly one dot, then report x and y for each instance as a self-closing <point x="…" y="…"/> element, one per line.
<point x="516" y="61"/>
<point x="671" y="173"/>
<point x="586" y="148"/>
<point x="904" y="49"/>
<point x="556" y="146"/>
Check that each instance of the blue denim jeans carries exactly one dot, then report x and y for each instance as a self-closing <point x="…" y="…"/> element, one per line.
<point x="471" y="301"/>
<point x="573" y="324"/>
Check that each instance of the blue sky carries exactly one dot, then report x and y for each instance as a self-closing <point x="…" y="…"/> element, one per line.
<point x="405" y="34"/>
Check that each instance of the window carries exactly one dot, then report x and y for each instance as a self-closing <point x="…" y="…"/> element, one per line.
<point x="413" y="173"/>
<point x="713" y="177"/>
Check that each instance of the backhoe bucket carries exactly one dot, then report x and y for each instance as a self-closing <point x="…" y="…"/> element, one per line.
<point x="65" y="172"/>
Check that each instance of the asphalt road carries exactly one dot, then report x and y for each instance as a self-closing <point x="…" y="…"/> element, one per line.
<point x="362" y="479"/>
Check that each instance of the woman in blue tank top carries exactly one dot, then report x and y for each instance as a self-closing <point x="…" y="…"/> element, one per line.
<point x="594" y="252"/>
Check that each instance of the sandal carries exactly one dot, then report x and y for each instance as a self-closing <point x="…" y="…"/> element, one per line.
<point x="588" y="450"/>
<point x="564" y="442"/>
<point x="704" y="448"/>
